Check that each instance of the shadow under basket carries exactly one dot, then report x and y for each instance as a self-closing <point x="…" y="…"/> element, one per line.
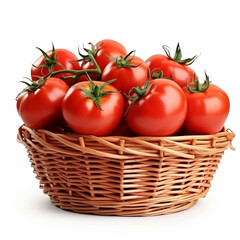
<point x="124" y="176"/>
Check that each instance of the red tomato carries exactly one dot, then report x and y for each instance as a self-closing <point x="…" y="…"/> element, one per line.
<point x="86" y="65"/>
<point x="160" y="111"/>
<point x="108" y="47"/>
<point x="41" y="107"/>
<point x="174" y="68"/>
<point x="101" y="51"/>
<point x="55" y="60"/>
<point x="208" y="109"/>
<point x="81" y="108"/>
<point x="129" y="72"/>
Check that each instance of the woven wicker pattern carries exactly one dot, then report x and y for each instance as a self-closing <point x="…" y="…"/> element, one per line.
<point x="126" y="176"/>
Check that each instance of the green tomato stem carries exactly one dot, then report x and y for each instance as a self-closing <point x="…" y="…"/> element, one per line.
<point x="140" y="92"/>
<point x="80" y="72"/>
<point x="178" y="56"/>
<point x="32" y="86"/>
<point x="197" y="86"/>
<point x="96" y="91"/>
<point x="124" y="62"/>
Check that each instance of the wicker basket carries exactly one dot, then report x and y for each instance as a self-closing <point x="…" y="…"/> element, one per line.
<point x="126" y="176"/>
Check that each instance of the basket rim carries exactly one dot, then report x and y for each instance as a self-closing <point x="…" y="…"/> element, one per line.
<point x="118" y="142"/>
<point x="223" y="132"/>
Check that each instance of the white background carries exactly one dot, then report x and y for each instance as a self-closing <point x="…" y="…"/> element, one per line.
<point x="209" y="28"/>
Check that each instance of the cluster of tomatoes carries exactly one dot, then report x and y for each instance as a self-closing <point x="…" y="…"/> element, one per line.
<point x="109" y="91"/>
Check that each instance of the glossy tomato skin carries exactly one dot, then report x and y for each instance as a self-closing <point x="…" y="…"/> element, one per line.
<point x="109" y="43"/>
<point x="66" y="58"/>
<point x="108" y="47"/>
<point x="178" y="72"/>
<point x="84" y="66"/>
<point x="83" y="115"/>
<point x="161" y="112"/>
<point x="126" y="77"/>
<point x="42" y="108"/>
<point x="207" y="111"/>
<point x="105" y="48"/>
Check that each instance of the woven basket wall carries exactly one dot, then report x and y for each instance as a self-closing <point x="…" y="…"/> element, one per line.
<point x="125" y="176"/>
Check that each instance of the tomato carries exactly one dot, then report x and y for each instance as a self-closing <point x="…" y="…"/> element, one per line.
<point x="86" y="65"/>
<point x="158" y="109"/>
<point x="129" y="72"/>
<point x="108" y="47"/>
<point x="208" y="108"/>
<point x="55" y="60"/>
<point x="39" y="105"/>
<point x="174" y="68"/>
<point x="101" y="51"/>
<point x="93" y="107"/>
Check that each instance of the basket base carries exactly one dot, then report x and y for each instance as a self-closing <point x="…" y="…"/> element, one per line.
<point x="126" y="211"/>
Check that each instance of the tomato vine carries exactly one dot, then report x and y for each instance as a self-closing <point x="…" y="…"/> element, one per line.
<point x="78" y="73"/>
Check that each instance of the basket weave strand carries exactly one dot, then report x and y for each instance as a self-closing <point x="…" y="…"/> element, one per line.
<point x="125" y="176"/>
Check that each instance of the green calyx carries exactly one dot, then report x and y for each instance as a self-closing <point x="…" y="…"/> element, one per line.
<point x="50" y="61"/>
<point x="92" y="51"/>
<point x="140" y="92"/>
<point x="124" y="62"/>
<point x="96" y="91"/>
<point x="197" y="86"/>
<point x="178" y="56"/>
<point x="32" y="86"/>
<point x="157" y="75"/>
